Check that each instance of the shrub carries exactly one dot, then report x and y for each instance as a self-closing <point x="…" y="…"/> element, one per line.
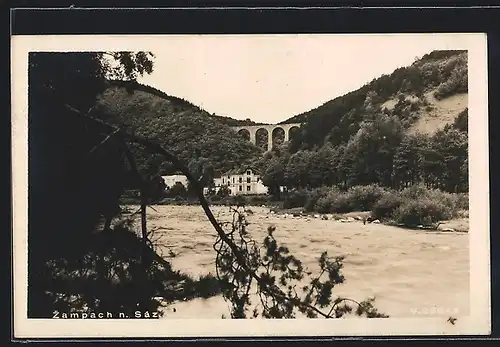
<point x="385" y="207"/>
<point x="452" y="201"/>
<point x="207" y="286"/>
<point x="415" y="191"/>
<point x="224" y="191"/>
<point x="323" y="205"/>
<point x="331" y="199"/>
<point x="456" y="83"/>
<point x="421" y="212"/>
<point x="341" y="203"/>
<point x="314" y="196"/>
<point x="246" y="200"/>
<point x="257" y="200"/>
<point x="462" y="202"/>
<point x="296" y="198"/>
<point x="362" y="198"/>
<point x="215" y="198"/>
<point x="447" y="199"/>
<point x="240" y="200"/>
<point x="414" y="205"/>
<point x="177" y="190"/>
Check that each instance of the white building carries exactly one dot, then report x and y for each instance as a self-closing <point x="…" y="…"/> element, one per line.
<point x="243" y="181"/>
<point x="171" y="180"/>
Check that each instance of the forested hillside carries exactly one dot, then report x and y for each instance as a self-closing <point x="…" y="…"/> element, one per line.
<point x="201" y="140"/>
<point x="410" y="94"/>
<point x="406" y="128"/>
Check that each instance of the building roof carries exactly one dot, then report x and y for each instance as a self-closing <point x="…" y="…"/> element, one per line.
<point x="240" y="171"/>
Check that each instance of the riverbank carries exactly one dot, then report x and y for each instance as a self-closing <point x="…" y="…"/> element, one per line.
<point x="459" y="224"/>
<point x="415" y="207"/>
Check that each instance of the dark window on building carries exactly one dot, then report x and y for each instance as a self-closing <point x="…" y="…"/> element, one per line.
<point x="249" y="180"/>
<point x="248" y="188"/>
<point x="233" y="179"/>
<point x="241" y="180"/>
<point x="241" y="188"/>
<point x="249" y="172"/>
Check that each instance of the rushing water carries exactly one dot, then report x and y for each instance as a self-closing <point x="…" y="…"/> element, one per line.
<point x="409" y="272"/>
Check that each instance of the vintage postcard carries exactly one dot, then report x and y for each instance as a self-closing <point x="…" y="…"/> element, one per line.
<point x="250" y="185"/>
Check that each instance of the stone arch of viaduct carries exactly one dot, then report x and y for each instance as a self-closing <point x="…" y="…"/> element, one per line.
<point x="252" y="129"/>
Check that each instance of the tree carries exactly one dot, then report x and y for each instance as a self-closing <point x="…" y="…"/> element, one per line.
<point x="464" y="176"/>
<point x="296" y="172"/>
<point x="127" y="66"/>
<point x="177" y="190"/>
<point x="453" y="147"/>
<point x="274" y="177"/>
<point x="369" y="154"/>
<point x="409" y="160"/>
<point x="462" y="121"/>
<point x="202" y="169"/>
<point x="322" y="171"/>
<point x="84" y="171"/>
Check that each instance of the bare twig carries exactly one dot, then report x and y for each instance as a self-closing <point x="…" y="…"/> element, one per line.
<point x="103" y="141"/>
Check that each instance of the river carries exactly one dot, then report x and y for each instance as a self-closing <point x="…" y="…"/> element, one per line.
<point x="411" y="273"/>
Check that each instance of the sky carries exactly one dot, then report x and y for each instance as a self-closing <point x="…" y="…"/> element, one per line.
<point x="269" y="78"/>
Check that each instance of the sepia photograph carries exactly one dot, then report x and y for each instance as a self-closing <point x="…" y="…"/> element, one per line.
<point x="244" y="185"/>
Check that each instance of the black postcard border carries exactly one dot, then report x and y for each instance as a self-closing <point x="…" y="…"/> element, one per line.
<point x="234" y="20"/>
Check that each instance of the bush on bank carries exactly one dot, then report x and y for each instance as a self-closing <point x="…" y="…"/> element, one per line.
<point x="415" y="205"/>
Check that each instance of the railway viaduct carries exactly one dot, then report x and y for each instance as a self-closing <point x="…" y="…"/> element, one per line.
<point x="270" y="129"/>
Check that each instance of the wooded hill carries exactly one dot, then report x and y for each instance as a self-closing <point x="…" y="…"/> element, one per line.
<point x="194" y="135"/>
<point x="401" y="129"/>
<point x="424" y="96"/>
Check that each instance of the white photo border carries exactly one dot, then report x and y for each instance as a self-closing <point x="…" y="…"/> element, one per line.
<point x="477" y="323"/>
